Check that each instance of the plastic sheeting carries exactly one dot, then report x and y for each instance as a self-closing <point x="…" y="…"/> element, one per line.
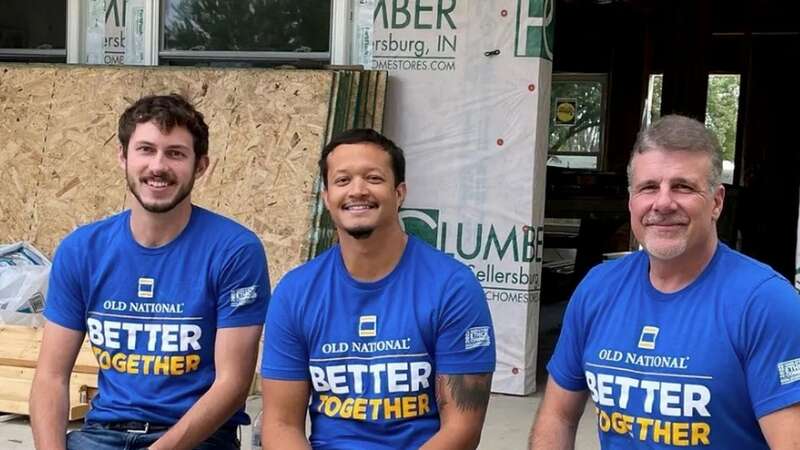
<point x="468" y="101"/>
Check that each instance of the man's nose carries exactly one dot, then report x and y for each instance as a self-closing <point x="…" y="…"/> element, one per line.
<point x="158" y="162"/>
<point x="664" y="199"/>
<point x="358" y="186"/>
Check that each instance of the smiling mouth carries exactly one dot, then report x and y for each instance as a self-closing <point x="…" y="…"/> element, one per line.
<point x="358" y="207"/>
<point x="156" y="183"/>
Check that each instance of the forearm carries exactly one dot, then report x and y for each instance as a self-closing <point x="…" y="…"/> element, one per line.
<point x="49" y="408"/>
<point x="283" y="437"/>
<point x="553" y="433"/>
<point x="210" y="412"/>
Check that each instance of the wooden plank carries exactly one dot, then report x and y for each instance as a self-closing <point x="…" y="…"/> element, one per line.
<point x="21" y="348"/>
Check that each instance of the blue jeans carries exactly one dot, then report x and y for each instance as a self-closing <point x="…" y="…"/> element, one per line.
<point x="94" y="436"/>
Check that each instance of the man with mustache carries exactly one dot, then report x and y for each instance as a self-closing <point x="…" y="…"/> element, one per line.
<point x="688" y="342"/>
<point x="391" y="338"/>
<point x="171" y="296"/>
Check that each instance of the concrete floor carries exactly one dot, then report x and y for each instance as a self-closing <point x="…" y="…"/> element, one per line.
<point x="507" y="424"/>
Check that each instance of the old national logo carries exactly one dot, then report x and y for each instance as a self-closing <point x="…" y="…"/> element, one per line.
<point x="647" y="340"/>
<point x="422" y="223"/>
<point x="146" y="287"/>
<point x="566" y="111"/>
<point x="368" y="326"/>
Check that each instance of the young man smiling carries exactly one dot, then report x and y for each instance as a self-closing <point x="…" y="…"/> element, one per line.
<point x="171" y="296"/>
<point x="687" y="343"/>
<point x="390" y="337"/>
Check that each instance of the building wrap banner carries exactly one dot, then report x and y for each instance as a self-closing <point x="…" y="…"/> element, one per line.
<point x="468" y="101"/>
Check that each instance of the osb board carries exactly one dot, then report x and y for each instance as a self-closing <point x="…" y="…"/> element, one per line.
<point x="266" y="129"/>
<point x="80" y="180"/>
<point x="25" y="103"/>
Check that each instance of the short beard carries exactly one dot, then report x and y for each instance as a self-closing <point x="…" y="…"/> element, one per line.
<point x="665" y="254"/>
<point x="360" y="233"/>
<point x="166" y="207"/>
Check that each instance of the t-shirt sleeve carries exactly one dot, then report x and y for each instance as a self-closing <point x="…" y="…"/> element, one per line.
<point x="65" y="304"/>
<point x="772" y="346"/>
<point x="465" y="341"/>
<point x="243" y="289"/>
<point x="284" y="355"/>
<point x="566" y="364"/>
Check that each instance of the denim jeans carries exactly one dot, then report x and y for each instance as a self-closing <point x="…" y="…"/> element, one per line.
<point x="94" y="436"/>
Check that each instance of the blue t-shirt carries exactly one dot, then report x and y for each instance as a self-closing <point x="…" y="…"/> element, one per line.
<point x="696" y="367"/>
<point x="371" y="351"/>
<point x="151" y="314"/>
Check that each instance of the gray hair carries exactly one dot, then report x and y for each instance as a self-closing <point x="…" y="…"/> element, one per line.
<point x="675" y="132"/>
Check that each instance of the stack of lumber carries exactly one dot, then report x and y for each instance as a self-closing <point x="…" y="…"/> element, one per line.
<point x="19" y="349"/>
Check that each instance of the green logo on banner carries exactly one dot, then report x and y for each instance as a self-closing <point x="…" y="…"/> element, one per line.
<point x="422" y="223"/>
<point x="535" y="29"/>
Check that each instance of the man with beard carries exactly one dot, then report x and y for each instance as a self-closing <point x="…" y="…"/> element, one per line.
<point x="171" y="296"/>
<point x="391" y="338"/>
<point x="686" y="343"/>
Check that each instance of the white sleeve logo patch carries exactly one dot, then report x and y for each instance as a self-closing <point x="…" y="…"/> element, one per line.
<point x="477" y="337"/>
<point x="789" y="371"/>
<point x="243" y="296"/>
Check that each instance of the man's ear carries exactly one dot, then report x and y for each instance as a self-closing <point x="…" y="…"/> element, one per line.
<point x="719" y="201"/>
<point x="121" y="159"/>
<point x="401" y="192"/>
<point x="201" y="166"/>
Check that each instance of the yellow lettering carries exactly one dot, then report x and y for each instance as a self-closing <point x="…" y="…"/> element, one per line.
<point x="332" y="406"/>
<point x="133" y="364"/>
<point x="347" y="409"/>
<point x="360" y="409"/>
<point x="118" y="362"/>
<point x="391" y="406"/>
<point x="322" y="399"/>
<point x="409" y="406"/>
<point x="644" y="425"/>
<point x="621" y="423"/>
<point x="161" y="365"/>
<point x="700" y="432"/>
<point x="176" y="365"/>
<point x="603" y="421"/>
<point x="147" y="360"/>
<point x="660" y="433"/>
<point x="680" y="434"/>
<point x="375" y="404"/>
<point x="423" y="404"/>
<point x="192" y="363"/>
<point x="104" y="360"/>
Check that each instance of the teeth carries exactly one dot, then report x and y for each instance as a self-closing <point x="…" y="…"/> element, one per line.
<point x="358" y="207"/>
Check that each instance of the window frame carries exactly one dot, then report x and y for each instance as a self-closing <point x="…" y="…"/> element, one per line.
<point x="339" y="14"/>
<point x="602" y="79"/>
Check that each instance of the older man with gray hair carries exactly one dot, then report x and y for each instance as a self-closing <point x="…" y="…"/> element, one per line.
<point x="687" y="342"/>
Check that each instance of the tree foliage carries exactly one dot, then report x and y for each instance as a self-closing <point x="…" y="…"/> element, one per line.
<point x="584" y="134"/>
<point x="247" y="25"/>
<point x="721" y="111"/>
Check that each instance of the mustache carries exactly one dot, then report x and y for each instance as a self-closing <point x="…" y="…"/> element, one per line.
<point x="665" y="219"/>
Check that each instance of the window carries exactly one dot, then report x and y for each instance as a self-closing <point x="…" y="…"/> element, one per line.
<point x="722" y="111"/>
<point x="652" y="108"/>
<point x="247" y="31"/>
<point x="33" y="30"/>
<point x="577" y="121"/>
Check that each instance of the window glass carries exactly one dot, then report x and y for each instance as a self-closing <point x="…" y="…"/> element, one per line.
<point x="652" y="110"/>
<point x="247" y="25"/>
<point x="33" y="24"/>
<point x="576" y="121"/>
<point x="722" y="111"/>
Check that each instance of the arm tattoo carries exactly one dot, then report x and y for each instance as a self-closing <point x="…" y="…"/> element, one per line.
<point x="470" y="392"/>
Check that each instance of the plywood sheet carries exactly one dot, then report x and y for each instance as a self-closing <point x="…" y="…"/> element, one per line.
<point x="25" y="105"/>
<point x="266" y="130"/>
